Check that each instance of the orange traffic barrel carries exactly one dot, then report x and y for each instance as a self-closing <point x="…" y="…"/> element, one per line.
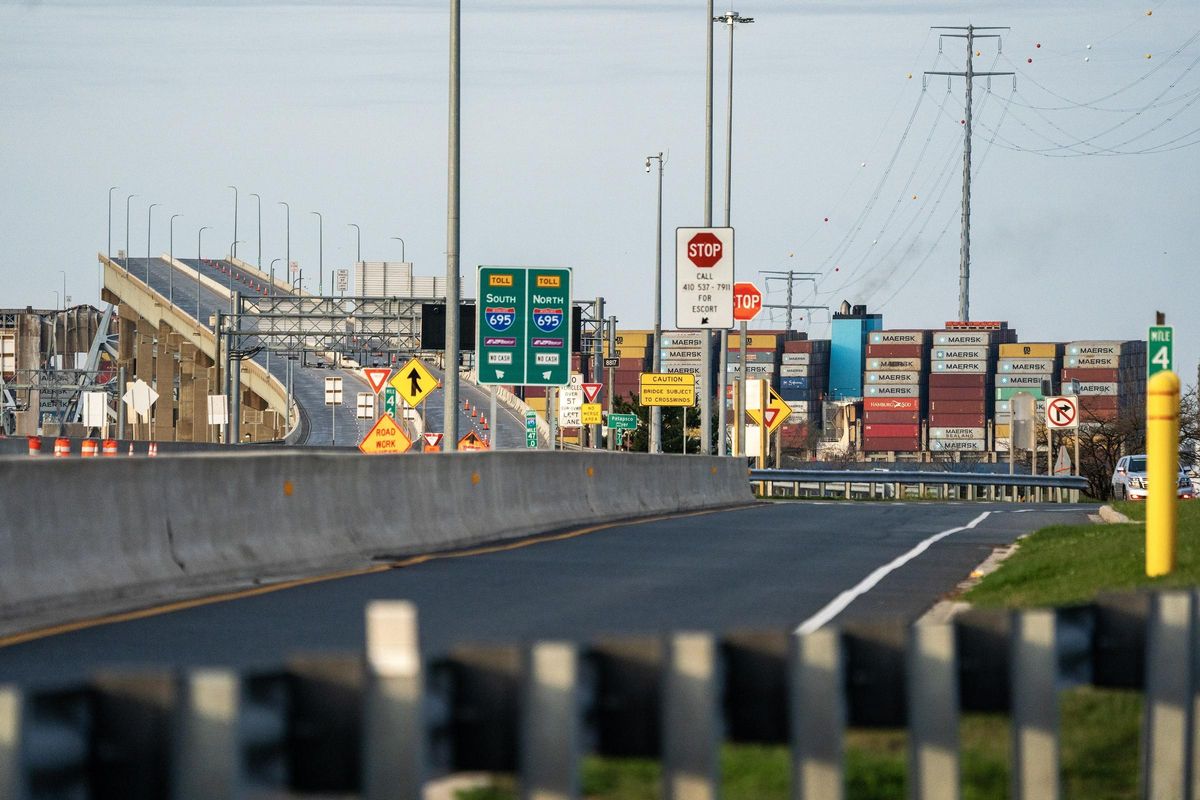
<point x="109" y="448"/>
<point x="88" y="448"/>
<point x="35" y="445"/>
<point x="62" y="447"/>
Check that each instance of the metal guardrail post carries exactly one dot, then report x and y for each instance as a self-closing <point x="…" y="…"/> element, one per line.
<point x="1033" y="684"/>
<point x="205" y="760"/>
<point x="12" y="770"/>
<point x="1171" y="642"/>
<point x="818" y="716"/>
<point x="549" y="732"/>
<point x="690" y="721"/>
<point x="393" y="715"/>
<point x="932" y="684"/>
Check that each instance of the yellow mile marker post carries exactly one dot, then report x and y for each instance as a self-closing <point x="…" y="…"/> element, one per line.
<point x="1162" y="474"/>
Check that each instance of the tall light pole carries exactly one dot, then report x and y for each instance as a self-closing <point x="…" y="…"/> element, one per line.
<point x="199" y="258"/>
<point x="64" y="294"/>
<point x="450" y="396"/>
<point x="320" y="252"/>
<point x="706" y="387"/>
<point x="232" y="250"/>
<point x="171" y="255"/>
<point x="235" y="216"/>
<point x="274" y="261"/>
<point x="358" y="242"/>
<point x="656" y="411"/>
<point x="401" y="241"/>
<point x="258" y="261"/>
<point x="108" y="252"/>
<point x="127" y="199"/>
<point x="287" y="263"/>
<point x="148" y="210"/>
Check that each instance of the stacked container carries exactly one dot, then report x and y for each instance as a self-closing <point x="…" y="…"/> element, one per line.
<point x="1023" y="367"/>
<point x="762" y="358"/>
<point x="634" y="348"/>
<point x="961" y="365"/>
<point x="895" y="383"/>
<point x="683" y="352"/>
<point x="803" y="382"/>
<point x="1112" y="377"/>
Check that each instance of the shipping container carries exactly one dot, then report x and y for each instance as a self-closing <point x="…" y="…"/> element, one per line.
<point x="891" y="404"/>
<point x="881" y="445"/>
<point x="956" y="420"/>
<point x="957" y="445"/>
<point x="896" y="364"/>
<point x="753" y="357"/>
<point x="959" y="367"/>
<point x="794" y="383"/>
<point x="892" y="377"/>
<point x="1031" y="350"/>
<point x="890" y="390"/>
<point x="685" y="339"/>
<point x="977" y="406"/>
<point x="963" y="353"/>
<point x="876" y="430"/>
<point x="895" y="350"/>
<point x="1098" y="347"/>
<point x="1092" y="375"/>
<point x="1027" y="365"/>
<point x="962" y="338"/>
<point x="758" y="341"/>
<point x="804" y="358"/>
<point x="801" y="370"/>
<point x="1002" y="431"/>
<point x="943" y="381"/>
<point x="893" y="417"/>
<point x="1007" y="392"/>
<point x="806" y="346"/>
<point x="899" y="337"/>
<point x="1005" y="407"/>
<point x="1021" y="381"/>
<point x="1092" y="388"/>
<point x="956" y="433"/>
<point x="1099" y="362"/>
<point x="954" y="393"/>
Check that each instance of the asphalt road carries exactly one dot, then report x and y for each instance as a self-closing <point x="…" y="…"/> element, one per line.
<point x="768" y="566"/>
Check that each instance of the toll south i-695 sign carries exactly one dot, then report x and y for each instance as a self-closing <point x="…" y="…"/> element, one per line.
<point x="703" y="278"/>
<point x="523" y="330"/>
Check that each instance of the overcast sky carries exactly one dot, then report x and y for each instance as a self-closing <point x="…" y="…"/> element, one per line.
<point x="342" y="109"/>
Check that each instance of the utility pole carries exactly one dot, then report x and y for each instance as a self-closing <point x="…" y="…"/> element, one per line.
<point x="790" y="276"/>
<point x="964" y="257"/>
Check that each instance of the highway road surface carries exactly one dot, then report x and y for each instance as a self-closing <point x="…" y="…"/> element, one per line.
<point x="768" y="566"/>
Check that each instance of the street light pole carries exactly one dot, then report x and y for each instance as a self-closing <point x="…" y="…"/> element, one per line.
<point x="454" y="146"/>
<point x="108" y="252"/>
<point x="358" y="250"/>
<point x="232" y="250"/>
<point x="320" y="253"/>
<point x="171" y="271"/>
<point x="706" y="386"/>
<point x="656" y="411"/>
<point x="258" y="203"/>
<point x="148" y="210"/>
<point x="127" y="199"/>
<point x="64" y="293"/>
<point x="287" y="264"/>
<point x="235" y="216"/>
<point x="401" y="241"/>
<point x="199" y="258"/>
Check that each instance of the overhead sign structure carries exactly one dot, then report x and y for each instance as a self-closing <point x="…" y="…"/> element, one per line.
<point x="365" y="407"/>
<point x="333" y="391"/>
<point x="413" y="381"/>
<point x="770" y="414"/>
<point x="1160" y="353"/>
<point x="472" y="442"/>
<point x="386" y="436"/>
<point x="747" y="301"/>
<point x="523" y="326"/>
<point x="376" y="377"/>
<point x="622" y="422"/>
<point x="140" y="397"/>
<point x="1062" y="412"/>
<point x="667" y="389"/>
<point x="703" y="278"/>
<point x="591" y="414"/>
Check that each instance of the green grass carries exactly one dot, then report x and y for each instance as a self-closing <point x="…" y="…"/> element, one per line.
<point x="1073" y="563"/>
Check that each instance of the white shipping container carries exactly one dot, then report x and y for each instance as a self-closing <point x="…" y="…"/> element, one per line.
<point x="1091" y="388"/>
<point x="891" y="377"/>
<point x="683" y="369"/>
<point x="685" y="353"/>
<point x="893" y="390"/>
<point x="962" y="353"/>
<point x="805" y="358"/>
<point x="966" y="338"/>
<point x="680" y="340"/>
<point x="1027" y="365"/>
<point x="960" y="367"/>
<point x="800" y="370"/>
<point x="898" y="337"/>
<point x="1100" y="347"/>
<point x="761" y="370"/>
<point x="801" y="406"/>
<point x="895" y="364"/>
<point x="1092" y="362"/>
<point x="956" y="433"/>
<point x="960" y="445"/>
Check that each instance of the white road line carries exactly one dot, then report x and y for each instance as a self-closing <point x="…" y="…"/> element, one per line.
<point x="839" y="603"/>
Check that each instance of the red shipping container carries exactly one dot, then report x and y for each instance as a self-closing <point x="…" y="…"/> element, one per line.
<point x="798" y="346"/>
<point x="892" y="417"/>
<point x="874" y="430"/>
<point x="1098" y="401"/>
<point x="535" y="391"/>
<point x="1091" y="375"/>
<point x="892" y="404"/>
<point x="904" y="445"/>
<point x="958" y="394"/>
<point x="956" y="420"/>
<point x="959" y="381"/>
<point x="957" y="406"/>
<point x="895" y="350"/>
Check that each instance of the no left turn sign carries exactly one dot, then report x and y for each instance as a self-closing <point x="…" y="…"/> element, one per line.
<point x="1062" y="412"/>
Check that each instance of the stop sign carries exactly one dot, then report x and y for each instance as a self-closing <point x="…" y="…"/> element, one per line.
<point x="747" y="301"/>
<point x="704" y="249"/>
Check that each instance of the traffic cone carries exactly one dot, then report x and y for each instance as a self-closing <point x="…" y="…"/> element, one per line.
<point x="88" y="448"/>
<point x="131" y="448"/>
<point x="35" y="445"/>
<point x="152" y="450"/>
<point x="109" y="447"/>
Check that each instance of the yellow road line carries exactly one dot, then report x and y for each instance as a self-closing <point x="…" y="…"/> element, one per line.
<point x="183" y="605"/>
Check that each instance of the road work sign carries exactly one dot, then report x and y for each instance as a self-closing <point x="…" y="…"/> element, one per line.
<point x="703" y="278"/>
<point x="385" y="436"/>
<point x="523" y="327"/>
<point x="414" y="382"/>
<point x="668" y="389"/>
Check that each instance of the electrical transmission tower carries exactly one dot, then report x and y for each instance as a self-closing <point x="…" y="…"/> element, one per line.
<point x="790" y="276"/>
<point x="964" y="259"/>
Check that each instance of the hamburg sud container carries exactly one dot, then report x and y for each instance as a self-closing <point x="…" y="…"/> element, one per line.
<point x="961" y="366"/>
<point x="895" y="383"/>
<point x="1111" y="375"/>
<point x="803" y="380"/>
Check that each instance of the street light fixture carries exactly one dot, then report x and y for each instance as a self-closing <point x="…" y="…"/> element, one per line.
<point x="235" y="216"/>
<point x="358" y="242"/>
<point x="148" y="210"/>
<point x="64" y="293"/>
<point x="401" y="241"/>
<point x="171" y="255"/>
<point x="127" y="199"/>
<point x="656" y="411"/>
<point x="199" y="260"/>
<point x="320" y="253"/>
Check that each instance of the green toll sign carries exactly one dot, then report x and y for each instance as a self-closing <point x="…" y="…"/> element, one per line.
<point x="523" y="328"/>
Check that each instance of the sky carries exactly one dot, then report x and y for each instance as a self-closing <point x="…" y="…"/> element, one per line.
<point x="846" y="162"/>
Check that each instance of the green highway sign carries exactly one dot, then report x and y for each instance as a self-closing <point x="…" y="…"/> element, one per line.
<point x="523" y="327"/>
<point x="623" y="422"/>
<point x="531" y="437"/>
<point x="389" y="401"/>
<point x="1160" y="353"/>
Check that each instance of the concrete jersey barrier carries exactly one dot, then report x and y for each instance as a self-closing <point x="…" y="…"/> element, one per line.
<point x="138" y="531"/>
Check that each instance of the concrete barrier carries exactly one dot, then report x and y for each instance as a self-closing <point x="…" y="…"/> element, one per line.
<point x="139" y="531"/>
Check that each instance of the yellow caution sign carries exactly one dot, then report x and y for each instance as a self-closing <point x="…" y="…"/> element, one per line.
<point x="414" y="381"/>
<point x="591" y="414"/>
<point x="668" y="389"/>
<point x="773" y="415"/>
<point x="385" y="436"/>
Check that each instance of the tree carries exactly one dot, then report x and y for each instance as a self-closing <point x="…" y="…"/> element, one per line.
<point x="1102" y="442"/>
<point x="672" y="418"/>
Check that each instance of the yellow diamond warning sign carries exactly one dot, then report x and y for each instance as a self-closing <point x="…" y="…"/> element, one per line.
<point x="385" y="436"/>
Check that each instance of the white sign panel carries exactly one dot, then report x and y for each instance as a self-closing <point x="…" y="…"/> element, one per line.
<point x="218" y="409"/>
<point x="95" y="409"/>
<point x="140" y="397"/>
<point x="570" y="407"/>
<point x="342" y="280"/>
<point x="1062" y="412"/>
<point x="704" y="278"/>
<point x="365" y="409"/>
<point x="333" y="391"/>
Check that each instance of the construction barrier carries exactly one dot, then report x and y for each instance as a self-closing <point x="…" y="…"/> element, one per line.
<point x="152" y="449"/>
<point x="109" y="447"/>
<point x="88" y="448"/>
<point x="35" y="445"/>
<point x="62" y="447"/>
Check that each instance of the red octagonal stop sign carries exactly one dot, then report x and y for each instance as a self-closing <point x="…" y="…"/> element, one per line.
<point x="747" y="301"/>
<point x="704" y="249"/>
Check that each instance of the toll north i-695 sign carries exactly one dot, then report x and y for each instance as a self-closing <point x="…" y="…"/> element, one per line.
<point x="523" y="330"/>
<point x="703" y="278"/>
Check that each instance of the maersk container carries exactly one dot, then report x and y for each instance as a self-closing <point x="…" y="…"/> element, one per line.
<point x="966" y="338"/>
<point x="1027" y="365"/>
<point x="885" y="430"/>
<point x="893" y="417"/>
<point x="942" y="420"/>
<point x="1007" y="392"/>
<point x="899" y="337"/>
<point x="956" y="433"/>
<point x="960" y="367"/>
<point x="893" y="390"/>
<point x="793" y="382"/>
<point x="896" y="364"/>
<point x="964" y="353"/>
<point x="1092" y="388"/>
<point x="892" y="377"/>
<point x="1024" y="381"/>
<point x="946" y="381"/>
<point x="878" y="444"/>
<point x="957" y="445"/>
<point x="1050" y="350"/>
<point x="895" y="350"/>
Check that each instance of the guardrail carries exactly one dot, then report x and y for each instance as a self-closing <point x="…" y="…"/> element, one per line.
<point x="384" y="724"/>
<point x="898" y="484"/>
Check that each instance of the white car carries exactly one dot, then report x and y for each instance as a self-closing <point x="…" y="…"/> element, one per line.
<point x="1129" y="480"/>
